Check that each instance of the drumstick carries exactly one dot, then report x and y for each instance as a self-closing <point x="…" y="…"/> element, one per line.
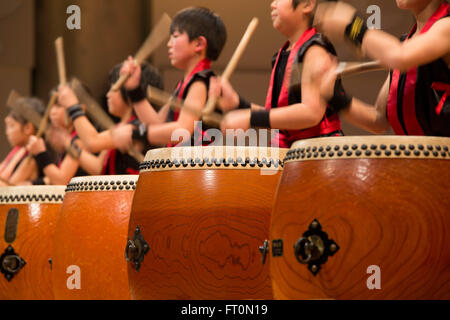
<point x="44" y="120"/>
<point x="12" y="98"/>
<point x="60" y="61"/>
<point x="59" y="46"/>
<point x="349" y="68"/>
<point x="92" y="107"/>
<point x="159" y="33"/>
<point x="99" y="115"/>
<point x="211" y="104"/>
<point x="162" y="98"/>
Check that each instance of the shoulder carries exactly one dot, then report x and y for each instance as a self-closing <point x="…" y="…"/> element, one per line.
<point x="316" y="41"/>
<point x="442" y="25"/>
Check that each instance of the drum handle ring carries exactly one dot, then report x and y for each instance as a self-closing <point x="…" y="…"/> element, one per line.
<point x="264" y="249"/>
<point x="314" y="247"/>
<point x="11" y="263"/>
<point x="136" y="249"/>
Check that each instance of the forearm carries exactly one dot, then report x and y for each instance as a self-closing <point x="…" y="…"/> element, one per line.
<point x="91" y="163"/>
<point x="295" y="117"/>
<point x="26" y="171"/>
<point x="166" y="133"/>
<point x="387" y="49"/>
<point x="147" y="114"/>
<point x="62" y="175"/>
<point x="366" y="116"/>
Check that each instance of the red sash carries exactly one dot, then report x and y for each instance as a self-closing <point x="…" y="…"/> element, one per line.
<point x="205" y="64"/>
<point x="411" y="123"/>
<point x="286" y="137"/>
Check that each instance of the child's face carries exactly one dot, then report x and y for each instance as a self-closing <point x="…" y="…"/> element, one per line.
<point x="284" y="17"/>
<point x="58" y="116"/>
<point x="56" y="136"/>
<point x="181" y="50"/>
<point x="15" y="132"/>
<point x="116" y="105"/>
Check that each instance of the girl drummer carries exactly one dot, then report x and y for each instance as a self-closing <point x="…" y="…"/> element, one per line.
<point x="60" y="135"/>
<point x="414" y="99"/>
<point x="14" y="169"/>
<point x="110" y="161"/>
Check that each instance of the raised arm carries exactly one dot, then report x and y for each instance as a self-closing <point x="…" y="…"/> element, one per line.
<point x="333" y="18"/>
<point x="91" y="138"/>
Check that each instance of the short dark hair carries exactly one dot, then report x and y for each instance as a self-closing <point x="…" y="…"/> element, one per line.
<point x="149" y="76"/>
<point x="34" y="105"/>
<point x="200" y="21"/>
<point x="295" y="3"/>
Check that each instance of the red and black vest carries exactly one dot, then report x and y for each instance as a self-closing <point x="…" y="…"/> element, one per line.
<point x="291" y="90"/>
<point x="419" y="100"/>
<point x="117" y="163"/>
<point x="11" y="155"/>
<point x="202" y="72"/>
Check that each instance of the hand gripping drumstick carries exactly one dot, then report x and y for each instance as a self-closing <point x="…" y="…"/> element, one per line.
<point x="162" y="97"/>
<point x="159" y="33"/>
<point x="211" y="104"/>
<point x="44" y="121"/>
<point x="99" y="115"/>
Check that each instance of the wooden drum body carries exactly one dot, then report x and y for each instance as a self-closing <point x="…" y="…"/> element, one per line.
<point x="90" y="237"/>
<point x="203" y="213"/>
<point x="363" y="218"/>
<point x="28" y="218"/>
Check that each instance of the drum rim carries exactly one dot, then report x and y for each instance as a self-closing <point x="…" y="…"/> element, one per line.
<point x="103" y="183"/>
<point x="370" y="147"/>
<point x="214" y="158"/>
<point x="32" y="194"/>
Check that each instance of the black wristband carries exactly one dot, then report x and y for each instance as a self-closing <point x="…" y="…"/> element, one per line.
<point x="136" y="95"/>
<point x="243" y="104"/>
<point x="356" y="30"/>
<point x="74" y="150"/>
<point x="140" y="132"/>
<point x="340" y="99"/>
<point x="43" y="160"/>
<point x="75" y="112"/>
<point x="260" y="119"/>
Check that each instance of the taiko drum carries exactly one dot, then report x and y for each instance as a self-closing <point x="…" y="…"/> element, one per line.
<point x="363" y="218"/>
<point x="199" y="218"/>
<point x="28" y="218"/>
<point x="90" y="237"/>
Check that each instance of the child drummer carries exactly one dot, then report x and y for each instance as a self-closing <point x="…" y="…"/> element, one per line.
<point x="197" y="38"/>
<point x="414" y="99"/>
<point x="293" y="102"/>
<point x="14" y="169"/>
<point x="111" y="160"/>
